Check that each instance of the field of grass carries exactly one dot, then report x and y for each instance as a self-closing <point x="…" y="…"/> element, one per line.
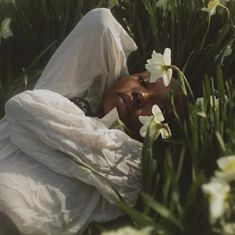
<point x="202" y="151"/>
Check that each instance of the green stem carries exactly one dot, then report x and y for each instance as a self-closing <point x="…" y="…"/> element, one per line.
<point x="184" y="81"/>
<point x="226" y="9"/>
<point x="146" y="163"/>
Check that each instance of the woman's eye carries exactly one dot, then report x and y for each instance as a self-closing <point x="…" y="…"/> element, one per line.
<point x="143" y="82"/>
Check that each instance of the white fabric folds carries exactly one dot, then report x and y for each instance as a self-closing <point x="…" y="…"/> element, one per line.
<point x="74" y="145"/>
<point x="50" y="129"/>
<point x="60" y="170"/>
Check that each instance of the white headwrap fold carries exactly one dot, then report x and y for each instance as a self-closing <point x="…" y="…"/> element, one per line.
<point x="91" y="58"/>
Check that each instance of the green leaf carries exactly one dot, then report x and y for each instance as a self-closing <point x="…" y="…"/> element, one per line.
<point x="141" y="219"/>
<point x="160" y="209"/>
<point x="220" y="141"/>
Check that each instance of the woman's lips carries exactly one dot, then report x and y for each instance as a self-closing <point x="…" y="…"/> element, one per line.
<point x="124" y="106"/>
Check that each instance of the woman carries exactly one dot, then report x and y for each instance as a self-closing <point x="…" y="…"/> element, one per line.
<point x="60" y="169"/>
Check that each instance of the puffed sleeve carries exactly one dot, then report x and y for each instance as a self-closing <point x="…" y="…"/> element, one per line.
<point x="52" y="130"/>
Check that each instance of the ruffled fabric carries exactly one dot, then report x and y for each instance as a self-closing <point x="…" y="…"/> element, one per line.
<point x="70" y="152"/>
<point x="60" y="170"/>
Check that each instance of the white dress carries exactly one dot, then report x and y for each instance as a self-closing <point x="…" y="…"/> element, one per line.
<point x="60" y="170"/>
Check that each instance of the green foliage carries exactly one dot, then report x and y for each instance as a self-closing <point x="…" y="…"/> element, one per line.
<point x="171" y="200"/>
<point x="38" y="27"/>
<point x="194" y="40"/>
<point x="174" y="200"/>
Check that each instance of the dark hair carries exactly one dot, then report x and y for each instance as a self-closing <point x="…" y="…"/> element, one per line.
<point x="82" y="104"/>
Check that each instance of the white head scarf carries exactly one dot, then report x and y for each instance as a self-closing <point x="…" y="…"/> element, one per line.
<point x="90" y="59"/>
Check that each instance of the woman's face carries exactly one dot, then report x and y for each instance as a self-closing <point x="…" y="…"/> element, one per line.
<point x="134" y="95"/>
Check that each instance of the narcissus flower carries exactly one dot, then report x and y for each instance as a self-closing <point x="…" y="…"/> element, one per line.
<point x="159" y="66"/>
<point x="214" y="103"/>
<point x="229" y="229"/>
<point x="5" y="31"/>
<point x="227" y="168"/>
<point x="211" y="6"/>
<point x="218" y="193"/>
<point x="154" y="122"/>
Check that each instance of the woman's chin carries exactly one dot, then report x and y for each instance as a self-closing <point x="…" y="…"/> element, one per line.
<point x="133" y="128"/>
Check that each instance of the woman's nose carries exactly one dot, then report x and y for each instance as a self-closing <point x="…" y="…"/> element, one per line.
<point x="139" y="98"/>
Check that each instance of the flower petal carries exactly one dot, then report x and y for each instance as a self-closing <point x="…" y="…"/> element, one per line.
<point x="205" y="9"/>
<point x="155" y="76"/>
<point x="153" y="68"/>
<point x="227" y="163"/>
<point x="212" y="11"/>
<point x="167" y="56"/>
<point x="217" y="192"/>
<point x="167" y="77"/>
<point x="165" y="131"/>
<point x="157" y="113"/>
<point x="143" y="130"/>
<point x="145" y="119"/>
<point x="157" y="57"/>
<point x="5" y="28"/>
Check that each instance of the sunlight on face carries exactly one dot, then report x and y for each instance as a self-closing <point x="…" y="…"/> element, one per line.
<point x="133" y="96"/>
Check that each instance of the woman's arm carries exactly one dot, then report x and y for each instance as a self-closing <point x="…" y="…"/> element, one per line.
<point x="52" y="130"/>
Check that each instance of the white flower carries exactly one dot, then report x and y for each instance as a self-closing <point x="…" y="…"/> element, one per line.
<point x="129" y="231"/>
<point x="218" y="192"/>
<point x="158" y="66"/>
<point x="200" y="102"/>
<point x="214" y="103"/>
<point x="202" y="114"/>
<point x="154" y="122"/>
<point x="227" y="167"/>
<point x="5" y="31"/>
<point x="212" y="5"/>
<point x="229" y="229"/>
